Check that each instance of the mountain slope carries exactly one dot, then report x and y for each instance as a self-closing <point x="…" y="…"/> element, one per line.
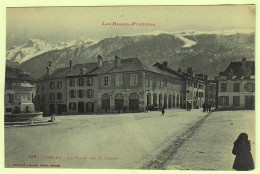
<point x="35" y="47"/>
<point x="207" y="53"/>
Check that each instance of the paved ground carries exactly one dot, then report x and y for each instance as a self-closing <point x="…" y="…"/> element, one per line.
<point x="211" y="145"/>
<point x="129" y="141"/>
<point x="97" y="141"/>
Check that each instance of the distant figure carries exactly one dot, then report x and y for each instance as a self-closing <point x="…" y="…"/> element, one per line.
<point x="209" y="108"/>
<point x="204" y="107"/>
<point x="124" y="109"/>
<point x="106" y="110"/>
<point x="244" y="160"/>
<point x="146" y="109"/>
<point x="16" y="110"/>
<point x="188" y="106"/>
<point x="163" y="111"/>
<point x="27" y="109"/>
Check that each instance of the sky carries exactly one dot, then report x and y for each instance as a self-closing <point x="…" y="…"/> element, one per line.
<point x="63" y="24"/>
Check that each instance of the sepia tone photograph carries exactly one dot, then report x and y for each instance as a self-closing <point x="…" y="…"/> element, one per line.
<point x="130" y="87"/>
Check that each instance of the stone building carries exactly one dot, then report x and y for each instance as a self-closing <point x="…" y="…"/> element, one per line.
<point x="118" y="85"/>
<point x="129" y="85"/>
<point x="236" y="86"/>
<point x="210" y="91"/>
<point x="193" y="89"/>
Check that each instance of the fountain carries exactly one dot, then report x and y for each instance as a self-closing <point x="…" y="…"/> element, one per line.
<point x="19" y="107"/>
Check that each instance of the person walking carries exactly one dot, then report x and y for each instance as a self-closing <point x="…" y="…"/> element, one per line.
<point x="106" y="110"/>
<point x="204" y="107"/>
<point x="163" y="111"/>
<point x="244" y="160"/>
<point x="209" y="108"/>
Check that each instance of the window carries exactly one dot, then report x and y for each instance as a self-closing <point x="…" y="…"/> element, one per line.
<point x="224" y="101"/>
<point x="236" y="100"/>
<point x="43" y="98"/>
<point x="133" y="79"/>
<point x="80" y="93"/>
<point x="89" y="93"/>
<point x="148" y="81"/>
<point x="89" y="81"/>
<point x="59" y="96"/>
<point x="163" y="83"/>
<point x="8" y="85"/>
<point x="249" y="87"/>
<point x="71" y="82"/>
<point x="223" y="87"/>
<point x="42" y="88"/>
<point x="72" y="106"/>
<point x="52" y="96"/>
<point x="118" y="79"/>
<point x="59" y="84"/>
<point x="80" y="82"/>
<point x="72" y="94"/>
<point x="52" y="85"/>
<point x="106" y="81"/>
<point x="10" y="98"/>
<point x="236" y="87"/>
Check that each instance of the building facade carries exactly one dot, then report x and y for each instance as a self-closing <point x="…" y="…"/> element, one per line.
<point x="118" y="85"/>
<point x="236" y="86"/>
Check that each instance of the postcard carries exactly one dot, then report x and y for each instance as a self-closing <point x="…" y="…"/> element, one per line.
<point x="162" y="87"/>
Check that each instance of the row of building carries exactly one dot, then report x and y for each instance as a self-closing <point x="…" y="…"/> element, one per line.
<point x="129" y="85"/>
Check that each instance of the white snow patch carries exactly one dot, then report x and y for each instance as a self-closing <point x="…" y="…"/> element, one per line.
<point x="188" y="43"/>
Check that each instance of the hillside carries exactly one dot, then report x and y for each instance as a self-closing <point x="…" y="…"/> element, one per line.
<point x="207" y="53"/>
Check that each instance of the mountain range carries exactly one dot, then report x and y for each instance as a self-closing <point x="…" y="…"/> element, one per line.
<point x="206" y="52"/>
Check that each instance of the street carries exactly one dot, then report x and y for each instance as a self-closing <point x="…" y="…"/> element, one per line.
<point x="127" y="141"/>
<point x="211" y="145"/>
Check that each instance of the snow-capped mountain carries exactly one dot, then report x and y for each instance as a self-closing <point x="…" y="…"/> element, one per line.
<point x="35" y="47"/>
<point x="206" y="52"/>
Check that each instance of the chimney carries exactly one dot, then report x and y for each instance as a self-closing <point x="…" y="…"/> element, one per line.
<point x="179" y="70"/>
<point x="243" y="64"/>
<point x="99" y="60"/>
<point x="48" y="71"/>
<point x="118" y="61"/>
<point x="165" y="63"/>
<point x="189" y="71"/>
<point x="70" y="64"/>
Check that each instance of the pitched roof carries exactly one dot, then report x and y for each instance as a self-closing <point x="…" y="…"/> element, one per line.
<point x="129" y="64"/>
<point x="17" y="74"/>
<point x="61" y="72"/>
<point x="238" y="72"/>
<point x="169" y="70"/>
<point x="237" y="68"/>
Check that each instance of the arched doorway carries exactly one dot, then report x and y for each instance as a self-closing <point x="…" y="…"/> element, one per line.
<point x="119" y="101"/>
<point x="165" y="101"/>
<point x="105" y="98"/>
<point x="178" y="101"/>
<point x="148" y="99"/>
<point x="170" y="101"/>
<point x="155" y="99"/>
<point x="160" y="100"/>
<point x="173" y="101"/>
<point x="133" y="102"/>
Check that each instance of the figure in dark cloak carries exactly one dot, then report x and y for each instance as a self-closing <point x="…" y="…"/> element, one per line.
<point x="244" y="160"/>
